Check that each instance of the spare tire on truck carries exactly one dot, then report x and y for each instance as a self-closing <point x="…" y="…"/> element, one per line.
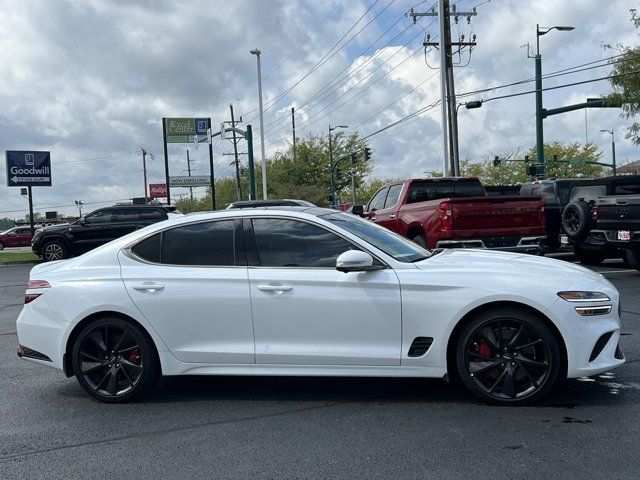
<point x="576" y="220"/>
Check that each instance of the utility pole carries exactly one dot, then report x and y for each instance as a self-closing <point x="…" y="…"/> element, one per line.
<point x="447" y="85"/>
<point x="235" y="152"/>
<point x="144" y="169"/>
<point x="293" y="126"/>
<point x="189" y="173"/>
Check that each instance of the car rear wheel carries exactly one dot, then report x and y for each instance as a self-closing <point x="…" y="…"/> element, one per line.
<point x="589" y="257"/>
<point x="114" y="361"/>
<point x="54" y="250"/>
<point x="1" y="246"/>
<point x="632" y="258"/>
<point x="508" y="357"/>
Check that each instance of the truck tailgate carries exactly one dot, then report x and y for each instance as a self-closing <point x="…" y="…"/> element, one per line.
<point x="506" y="213"/>
<point x="619" y="213"/>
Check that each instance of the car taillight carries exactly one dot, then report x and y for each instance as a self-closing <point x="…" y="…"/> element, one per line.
<point x="33" y="284"/>
<point x="446" y="219"/>
<point x="595" y="214"/>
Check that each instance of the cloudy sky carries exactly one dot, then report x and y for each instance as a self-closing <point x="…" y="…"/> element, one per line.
<point x="91" y="80"/>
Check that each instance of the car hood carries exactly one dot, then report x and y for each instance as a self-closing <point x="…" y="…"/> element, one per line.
<point x="477" y="261"/>
<point x="60" y="227"/>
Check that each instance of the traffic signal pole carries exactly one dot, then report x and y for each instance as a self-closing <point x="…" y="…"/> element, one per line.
<point x="539" y="115"/>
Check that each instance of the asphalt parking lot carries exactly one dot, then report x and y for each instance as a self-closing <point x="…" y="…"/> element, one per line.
<point x="207" y="427"/>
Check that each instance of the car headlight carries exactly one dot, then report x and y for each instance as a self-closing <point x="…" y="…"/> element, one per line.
<point x="587" y="297"/>
<point x="579" y="296"/>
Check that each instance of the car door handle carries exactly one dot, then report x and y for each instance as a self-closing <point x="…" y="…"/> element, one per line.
<point x="275" y="288"/>
<point x="392" y="216"/>
<point x="148" y="287"/>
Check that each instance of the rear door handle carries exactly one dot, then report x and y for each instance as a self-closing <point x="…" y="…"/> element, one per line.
<point x="148" y="287"/>
<point x="275" y="288"/>
<point x="392" y="216"/>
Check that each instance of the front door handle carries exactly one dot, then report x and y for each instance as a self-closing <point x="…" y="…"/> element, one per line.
<point x="392" y="216"/>
<point x="148" y="287"/>
<point x="275" y="288"/>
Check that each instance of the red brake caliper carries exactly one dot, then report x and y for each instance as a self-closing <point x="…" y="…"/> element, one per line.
<point x="134" y="356"/>
<point x="484" y="349"/>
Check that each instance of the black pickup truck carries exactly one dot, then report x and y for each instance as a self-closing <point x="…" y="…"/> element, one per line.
<point x="618" y="226"/>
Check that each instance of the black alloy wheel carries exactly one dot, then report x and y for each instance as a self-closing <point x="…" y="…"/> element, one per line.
<point x="508" y="357"/>
<point x="114" y="361"/>
<point x="572" y="221"/>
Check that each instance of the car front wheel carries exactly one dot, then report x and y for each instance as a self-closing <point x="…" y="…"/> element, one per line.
<point x="114" y="361"/>
<point x="508" y="357"/>
<point x="1" y="246"/>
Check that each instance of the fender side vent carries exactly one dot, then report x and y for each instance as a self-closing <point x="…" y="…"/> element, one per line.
<point x="599" y="346"/>
<point x="420" y="346"/>
<point x="30" y="353"/>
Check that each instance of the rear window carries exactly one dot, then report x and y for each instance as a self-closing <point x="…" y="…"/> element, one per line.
<point x="152" y="214"/>
<point x="588" y="193"/>
<point x="546" y="191"/>
<point x="631" y="189"/>
<point x="433" y="190"/>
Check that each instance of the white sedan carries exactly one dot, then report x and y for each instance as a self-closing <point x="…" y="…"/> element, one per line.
<point x="310" y="291"/>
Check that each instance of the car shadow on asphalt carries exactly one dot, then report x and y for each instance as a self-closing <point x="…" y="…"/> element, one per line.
<point x="568" y="394"/>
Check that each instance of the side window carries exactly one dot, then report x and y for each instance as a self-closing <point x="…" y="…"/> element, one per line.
<point x="210" y="244"/>
<point x="24" y="231"/>
<point x="127" y="215"/>
<point x="152" y="215"/>
<point x="149" y="248"/>
<point x="377" y="202"/>
<point x="393" y="196"/>
<point x="290" y="243"/>
<point x="13" y="231"/>
<point x="421" y="192"/>
<point x="101" y="216"/>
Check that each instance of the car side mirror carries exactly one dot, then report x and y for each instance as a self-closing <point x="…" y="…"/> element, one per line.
<point x="358" y="210"/>
<point x="83" y="221"/>
<point x="356" y="261"/>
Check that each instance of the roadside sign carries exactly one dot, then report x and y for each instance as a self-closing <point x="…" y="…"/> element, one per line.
<point x="28" y="168"/>
<point x="157" y="190"/>
<point x="195" y="181"/>
<point x="186" y="126"/>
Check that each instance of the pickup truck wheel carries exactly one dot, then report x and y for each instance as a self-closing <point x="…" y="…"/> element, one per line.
<point x="420" y="240"/>
<point x="54" y="250"/>
<point x="632" y="258"/>
<point x="508" y="356"/>
<point x="576" y="219"/>
<point x="589" y="257"/>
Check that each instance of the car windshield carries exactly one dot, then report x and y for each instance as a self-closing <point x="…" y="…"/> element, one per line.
<point x="390" y="243"/>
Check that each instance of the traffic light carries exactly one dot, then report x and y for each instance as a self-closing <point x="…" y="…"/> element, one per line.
<point x="367" y="154"/>
<point x="555" y="158"/>
<point x="496" y="161"/>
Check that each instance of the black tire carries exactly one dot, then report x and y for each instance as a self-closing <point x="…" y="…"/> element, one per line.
<point x="518" y="365"/>
<point x="632" y="258"/>
<point x="576" y="220"/>
<point x="1" y="246"/>
<point x="589" y="257"/>
<point x="420" y="240"/>
<point x="54" y="250"/>
<point x="114" y="360"/>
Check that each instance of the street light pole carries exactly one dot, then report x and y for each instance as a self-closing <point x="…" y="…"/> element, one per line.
<point x="332" y="185"/>
<point x="540" y="161"/>
<point x="257" y="53"/>
<point x="613" y="150"/>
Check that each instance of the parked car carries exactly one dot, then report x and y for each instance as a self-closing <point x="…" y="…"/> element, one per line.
<point x="618" y="226"/>
<point x="15" y="237"/>
<point x="270" y="203"/>
<point x="314" y="292"/>
<point x="571" y="225"/>
<point x="97" y="228"/>
<point x="457" y="212"/>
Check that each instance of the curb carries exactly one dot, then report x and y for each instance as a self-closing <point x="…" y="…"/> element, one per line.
<point x="20" y="262"/>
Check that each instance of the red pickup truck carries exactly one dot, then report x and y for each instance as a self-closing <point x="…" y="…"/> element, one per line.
<point x="457" y="212"/>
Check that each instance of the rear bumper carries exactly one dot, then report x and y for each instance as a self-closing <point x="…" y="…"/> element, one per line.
<point x="531" y="244"/>
<point x="604" y="237"/>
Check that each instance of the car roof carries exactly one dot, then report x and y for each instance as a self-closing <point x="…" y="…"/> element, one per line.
<point x="266" y="203"/>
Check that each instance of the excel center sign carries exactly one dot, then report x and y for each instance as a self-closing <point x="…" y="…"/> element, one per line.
<point x="182" y="130"/>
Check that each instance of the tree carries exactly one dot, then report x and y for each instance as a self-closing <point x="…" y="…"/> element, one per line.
<point x="6" y="223"/>
<point x="514" y="172"/>
<point x="305" y="178"/>
<point x="627" y="84"/>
